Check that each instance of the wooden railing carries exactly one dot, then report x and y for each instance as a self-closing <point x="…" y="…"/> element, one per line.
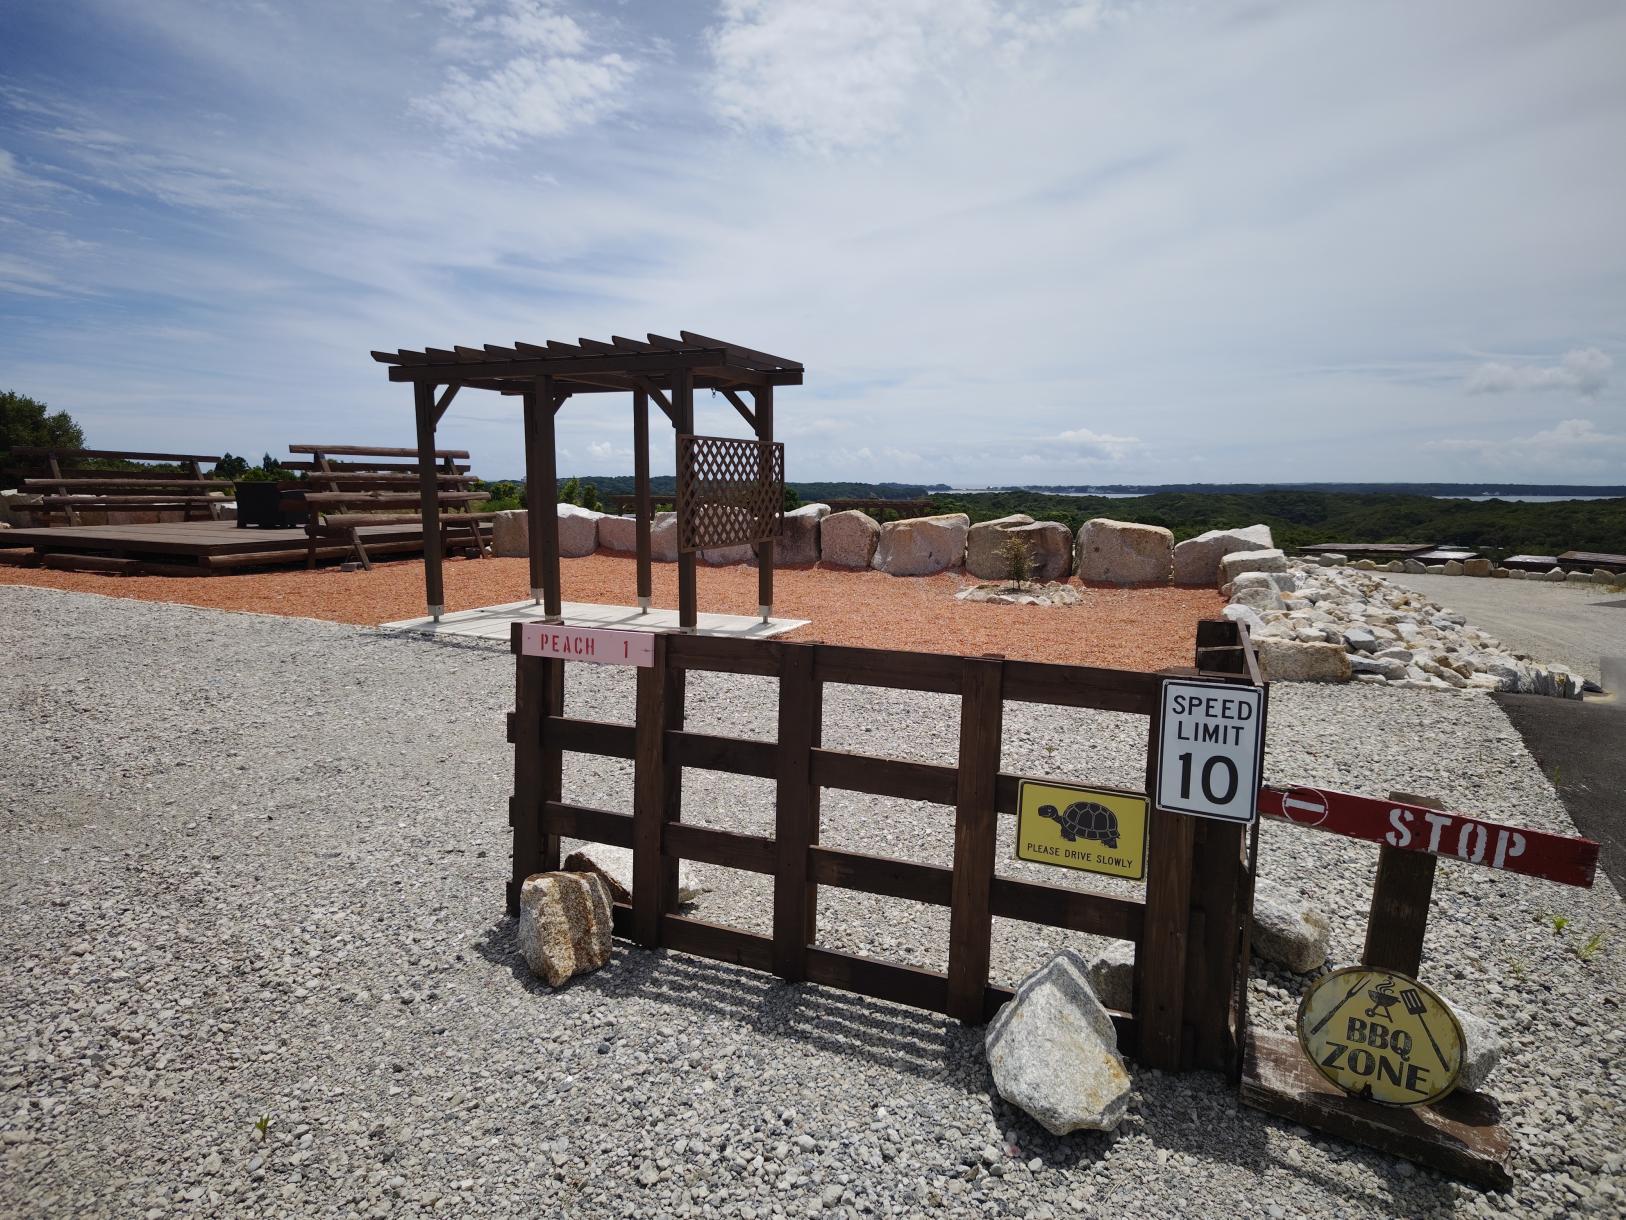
<point x="1190" y="931"/>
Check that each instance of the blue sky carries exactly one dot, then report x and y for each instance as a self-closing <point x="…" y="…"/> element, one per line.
<point x="1042" y="242"/>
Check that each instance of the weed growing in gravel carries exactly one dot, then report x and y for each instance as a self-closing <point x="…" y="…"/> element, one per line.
<point x="1591" y="949"/>
<point x="262" y="1128"/>
<point x="1559" y="922"/>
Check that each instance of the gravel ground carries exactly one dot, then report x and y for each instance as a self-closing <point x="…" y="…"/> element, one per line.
<point x="255" y="869"/>
<point x="1569" y="625"/>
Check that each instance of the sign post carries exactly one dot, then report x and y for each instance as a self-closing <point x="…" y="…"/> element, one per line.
<point x="1210" y="750"/>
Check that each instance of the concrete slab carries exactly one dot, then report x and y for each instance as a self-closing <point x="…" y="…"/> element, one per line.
<point x="495" y="622"/>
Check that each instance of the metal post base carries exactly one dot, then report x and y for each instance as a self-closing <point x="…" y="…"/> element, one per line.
<point x="643" y="605"/>
<point x="766" y="612"/>
<point x="536" y="597"/>
<point x="556" y="620"/>
<point x="436" y="611"/>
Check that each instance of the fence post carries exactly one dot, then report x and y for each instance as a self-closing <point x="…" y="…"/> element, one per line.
<point x="1400" y="900"/>
<point x="796" y="813"/>
<point x="650" y="897"/>
<point x="970" y="920"/>
<point x="525" y="805"/>
<point x="539" y="692"/>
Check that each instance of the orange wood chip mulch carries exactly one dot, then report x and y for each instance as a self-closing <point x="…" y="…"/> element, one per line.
<point x="1143" y="628"/>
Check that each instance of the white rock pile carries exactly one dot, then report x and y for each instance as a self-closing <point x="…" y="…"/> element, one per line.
<point x="1333" y="624"/>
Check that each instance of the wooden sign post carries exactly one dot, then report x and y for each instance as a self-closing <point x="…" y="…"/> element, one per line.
<point x="1463" y="1133"/>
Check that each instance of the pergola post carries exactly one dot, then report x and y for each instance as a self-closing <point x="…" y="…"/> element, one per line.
<point x="533" y="503"/>
<point x="642" y="506"/>
<point x="542" y="476"/>
<point x="763" y="396"/>
<point x="683" y="419"/>
<point x="423" y="396"/>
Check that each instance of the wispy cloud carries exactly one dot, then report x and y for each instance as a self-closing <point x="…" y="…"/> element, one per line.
<point x="1583" y="371"/>
<point x="534" y="75"/>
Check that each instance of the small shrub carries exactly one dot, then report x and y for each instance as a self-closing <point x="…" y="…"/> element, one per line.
<point x="1016" y="558"/>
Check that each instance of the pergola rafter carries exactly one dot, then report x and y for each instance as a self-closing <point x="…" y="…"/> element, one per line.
<point x="544" y="376"/>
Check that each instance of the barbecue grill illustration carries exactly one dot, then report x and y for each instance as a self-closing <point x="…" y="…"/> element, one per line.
<point x="1384" y="998"/>
<point x="1084" y="819"/>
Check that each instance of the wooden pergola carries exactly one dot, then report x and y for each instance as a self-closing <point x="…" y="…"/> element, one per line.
<point x="545" y="376"/>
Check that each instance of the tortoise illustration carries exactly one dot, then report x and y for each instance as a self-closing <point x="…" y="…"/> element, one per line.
<point x="1085" y="819"/>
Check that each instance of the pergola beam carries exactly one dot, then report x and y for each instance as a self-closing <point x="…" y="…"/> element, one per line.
<point x="659" y="368"/>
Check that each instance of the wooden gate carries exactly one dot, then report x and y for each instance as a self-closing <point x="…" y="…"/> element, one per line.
<point x="1190" y="932"/>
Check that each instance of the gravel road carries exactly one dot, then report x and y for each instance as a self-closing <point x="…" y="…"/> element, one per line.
<point x="255" y="869"/>
<point x="1569" y="625"/>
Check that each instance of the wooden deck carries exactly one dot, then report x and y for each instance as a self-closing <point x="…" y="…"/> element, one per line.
<point x="188" y="547"/>
<point x="495" y="622"/>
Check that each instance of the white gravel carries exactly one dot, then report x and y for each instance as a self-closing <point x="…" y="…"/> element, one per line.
<point x="255" y="868"/>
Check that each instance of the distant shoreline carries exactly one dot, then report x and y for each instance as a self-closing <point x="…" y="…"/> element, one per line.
<point x="1438" y="491"/>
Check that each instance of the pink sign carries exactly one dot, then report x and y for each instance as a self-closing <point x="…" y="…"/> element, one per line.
<point x="592" y="644"/>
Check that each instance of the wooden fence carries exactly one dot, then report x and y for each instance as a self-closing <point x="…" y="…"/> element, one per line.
<point x="1190" y="931"/>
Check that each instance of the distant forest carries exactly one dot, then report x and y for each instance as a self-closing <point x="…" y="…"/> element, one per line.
<point x="1296" y="516"/>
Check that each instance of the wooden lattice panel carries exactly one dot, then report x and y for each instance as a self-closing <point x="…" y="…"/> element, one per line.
<point x="730" y="491"/>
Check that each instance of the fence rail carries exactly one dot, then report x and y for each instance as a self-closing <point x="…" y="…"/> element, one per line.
<point x="1189" y="930"/>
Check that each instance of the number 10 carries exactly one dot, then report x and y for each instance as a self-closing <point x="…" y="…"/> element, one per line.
<point x="1218" y="760"/>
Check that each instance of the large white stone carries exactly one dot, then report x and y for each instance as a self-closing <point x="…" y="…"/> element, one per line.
<point x="564" y="924"/>
<point x="1295" y="661"/>
<point x="614" y="864"/>
<point x="848" y="539"/>
<point x="920" y="546"/>
<point x="1481" y="1049"/>
<point x="798" y="540"/>
<point x="618" y="534"/>
<point x="510" y="533"/>
<point x="1196" y="560"/>
<point x="1053" y="1051"/>
<point x="578" y="530"/>
<point x="1288" y="931"/>
<point x="1112" y="975"/>
<point x="1052" y="545"/>
<point x="663" y="538"/>
<point x="983" y="543"/>
<point x="1233" y="565"/>
<point x="1124" y="552"/>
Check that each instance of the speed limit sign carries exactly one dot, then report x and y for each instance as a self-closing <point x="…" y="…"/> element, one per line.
<point x="1210" y="749"/>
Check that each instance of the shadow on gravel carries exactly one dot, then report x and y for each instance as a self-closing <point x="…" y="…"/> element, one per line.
<point x="1581" y="748"/>
<point x="887" y="1035"/>
<point x="1194" y="1116"/>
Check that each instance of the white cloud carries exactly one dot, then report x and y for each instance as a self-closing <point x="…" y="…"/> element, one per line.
<point x="530" y="76"/>
<point x="1572" y="445"/>
<point x="1583" y="371"/>
<point x="1086" y="445"/>
<point x="838" y="72"/>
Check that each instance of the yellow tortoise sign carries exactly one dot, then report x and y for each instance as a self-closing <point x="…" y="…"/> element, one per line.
<point x="1093" y="829"/>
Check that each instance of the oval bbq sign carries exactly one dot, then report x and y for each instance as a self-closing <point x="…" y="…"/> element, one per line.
<point x="1382" y="1036"/>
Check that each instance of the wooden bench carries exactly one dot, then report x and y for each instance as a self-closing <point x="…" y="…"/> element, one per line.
<point x="345" y="496"/>
<point x="67" y="487"/>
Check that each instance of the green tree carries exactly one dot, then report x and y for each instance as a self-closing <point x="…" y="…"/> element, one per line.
<point x="27" y="421"/>
<point x="792" y="500"/>
<point x="570" y="493"/>
<point x="230" y="467"/>
<point x="589" y="498"/>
